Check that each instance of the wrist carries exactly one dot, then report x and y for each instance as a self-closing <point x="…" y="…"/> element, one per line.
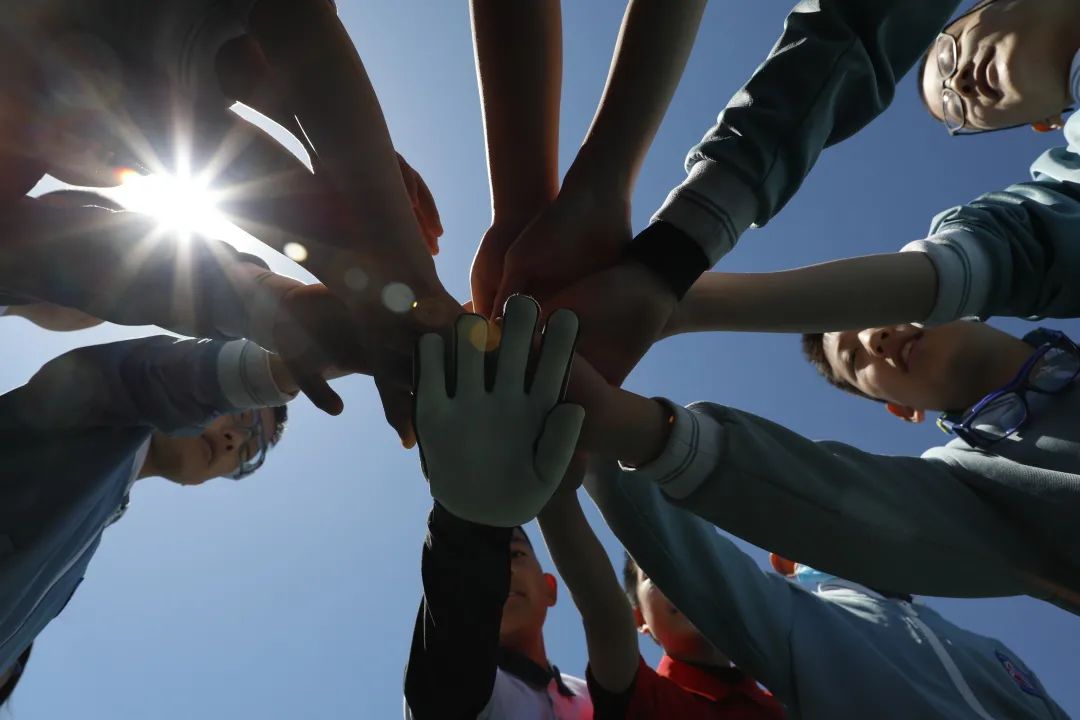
<point x="599" y="175"/>
<point x="281" y="376"/>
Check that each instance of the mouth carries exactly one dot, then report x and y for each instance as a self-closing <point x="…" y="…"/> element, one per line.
<point x="209" y="450"/>
<point x="987" y="79"/>
<point x="907" y="351"/>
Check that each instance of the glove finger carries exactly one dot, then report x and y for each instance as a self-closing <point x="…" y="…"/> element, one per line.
<point x="555" y="447"/>
<point x="519" y="326"/>
<point x="430" y="382"/>
<point x="556" y="356"/>
<point x="470" y="340"/>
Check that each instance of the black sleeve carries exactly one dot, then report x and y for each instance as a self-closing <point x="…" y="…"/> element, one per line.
<point x="453" y="659"/>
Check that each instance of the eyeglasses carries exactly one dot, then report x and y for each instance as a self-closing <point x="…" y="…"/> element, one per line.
<point x="252" y="452"/>
<point x="1003" y="412"/>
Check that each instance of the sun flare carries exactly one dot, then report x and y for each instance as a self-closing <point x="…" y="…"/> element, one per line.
<point x="181" y="204"/>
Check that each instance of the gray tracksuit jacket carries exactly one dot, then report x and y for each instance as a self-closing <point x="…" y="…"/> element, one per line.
<point x="72" y="441"/>
<point x="834" y="69"/>
<point x="1010" y="517"/>
<point x="837" y="650"/>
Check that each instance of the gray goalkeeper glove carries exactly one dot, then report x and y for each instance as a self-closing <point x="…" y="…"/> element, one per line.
<point x="495" y="456"/>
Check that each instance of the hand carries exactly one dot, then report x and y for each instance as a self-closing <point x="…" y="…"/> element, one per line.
<point x="495" y="456"/>
<point x="571" y="239"/>
<point x="623" y="311"/>
<point x="423" y="205"/>
<point x="315" y="337"/>
<point x="487" y="265"/>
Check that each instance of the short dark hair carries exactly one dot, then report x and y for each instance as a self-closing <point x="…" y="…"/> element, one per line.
<point x="813" y="347"/>
<point x="281" y="420"/>
<point x="630" y="579"/>
<point x="9" y="686"/>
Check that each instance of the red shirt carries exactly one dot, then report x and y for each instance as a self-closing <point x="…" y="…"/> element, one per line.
<point x="680" y="690"/>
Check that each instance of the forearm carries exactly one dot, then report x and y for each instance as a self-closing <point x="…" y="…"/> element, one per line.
<point x="654" y="44"/>
<point x="854" y="293"/>
<point x="519" y="69"/>
<point x="314" y="61"/>
<point x="605" y="612"/>
<point x="453" y="660"/>
<point x="120" y="268"/>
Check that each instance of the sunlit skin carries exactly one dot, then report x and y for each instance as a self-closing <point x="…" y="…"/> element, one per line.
<point x="1013" y="64"/>
<point x="914" y="369"/>
<point x="213" y="453"/>
<point x="532" y="592"/>
<point x="656" y="616"/>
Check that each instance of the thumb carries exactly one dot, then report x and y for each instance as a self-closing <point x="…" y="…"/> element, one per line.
<point x="555" y="447"/>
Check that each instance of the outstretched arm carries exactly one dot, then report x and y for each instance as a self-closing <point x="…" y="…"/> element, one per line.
<point x="588" y="225"/>
<point x="519" y="69"/>
<point x="605" y="612"/>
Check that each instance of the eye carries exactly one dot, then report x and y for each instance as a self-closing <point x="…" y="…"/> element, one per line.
<point x="515" y="554"/>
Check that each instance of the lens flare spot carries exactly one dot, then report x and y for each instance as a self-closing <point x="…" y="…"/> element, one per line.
<point x="398" y="297"/>
<point x="356" y="279"/>
<point x="295" y="252"/>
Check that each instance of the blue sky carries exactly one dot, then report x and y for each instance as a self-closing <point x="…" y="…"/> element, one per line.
<point x="293" y="593"/>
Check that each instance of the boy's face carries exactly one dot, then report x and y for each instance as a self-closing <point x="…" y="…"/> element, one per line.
<point x="672" y="630"/>
<point x="215" y="452"/>
<point x="532" y="592"/>
<point x="1012" y="64"/>
<point x="932" y="368"/>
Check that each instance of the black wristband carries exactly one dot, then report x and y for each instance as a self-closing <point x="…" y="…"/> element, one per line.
<point x="670" y="253"/>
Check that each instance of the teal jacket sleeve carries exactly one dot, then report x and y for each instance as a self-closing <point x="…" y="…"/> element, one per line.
<point x="833" y="70"/>
<point x="161" y="382"/>
<point x="745" y="612"/>
<point x="898" y="524"/>
<point x="1013" y="252"/>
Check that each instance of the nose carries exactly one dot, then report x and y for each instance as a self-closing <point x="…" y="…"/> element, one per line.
<point x="235" y="437"/>
<point x="964" y="81"/>
<point x="876" y="341"/>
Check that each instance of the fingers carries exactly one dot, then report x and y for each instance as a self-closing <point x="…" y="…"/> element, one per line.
<point x="556" y="355"/>
<point x="470" y="341"/>
<point x="430" y="364"/>
<point x="428" y="208"/>
<point x="397" y="404"/>
<point x="319" y="392"/>
<point x="518" y="329"/>
<point x="555" y="448"/>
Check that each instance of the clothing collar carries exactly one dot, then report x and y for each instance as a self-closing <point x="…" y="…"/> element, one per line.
<point x="712" y="683"/>
<point x="525" y="669"/>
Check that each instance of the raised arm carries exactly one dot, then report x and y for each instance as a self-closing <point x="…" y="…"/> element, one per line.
<point x="519" y="69"/>
<point x="455" y="643"/>
<point x="610" y="632"/>
<point x="588" y="225"/>
<point x="832" y="71"/>
<point x="162" y="382"/>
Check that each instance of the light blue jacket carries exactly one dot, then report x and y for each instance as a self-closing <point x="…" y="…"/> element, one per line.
<point x="839" y="650"/>
<point x="72" y="441"/>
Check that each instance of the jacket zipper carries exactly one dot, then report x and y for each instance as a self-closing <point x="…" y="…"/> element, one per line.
<point x="950" y="665"/>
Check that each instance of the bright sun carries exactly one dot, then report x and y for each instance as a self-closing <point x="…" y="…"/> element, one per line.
<point x="180" y="204"/>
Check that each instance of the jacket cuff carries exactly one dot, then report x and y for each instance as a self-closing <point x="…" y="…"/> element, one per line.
<point x="695" y="208"/>
<point x="963" y="274"/>
<point x="693" y="452"/>
<point x="243" y="370"/>
<point x="671" y="254"/>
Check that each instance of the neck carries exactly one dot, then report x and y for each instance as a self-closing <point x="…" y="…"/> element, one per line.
<point x="531" y="647"/>
<point x="1002" y="365"/>
<point x="708" y="657"/>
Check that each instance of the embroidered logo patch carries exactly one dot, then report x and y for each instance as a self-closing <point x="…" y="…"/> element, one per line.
<point x="1021" y="678"/>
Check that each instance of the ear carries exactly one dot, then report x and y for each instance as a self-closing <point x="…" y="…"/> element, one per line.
<point x="782" y="565"/>
<point x="551" y="589"/>
<point x="639" y="621"/>
<point x="908" y="414"/>
<point x="1055" y="122"/>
